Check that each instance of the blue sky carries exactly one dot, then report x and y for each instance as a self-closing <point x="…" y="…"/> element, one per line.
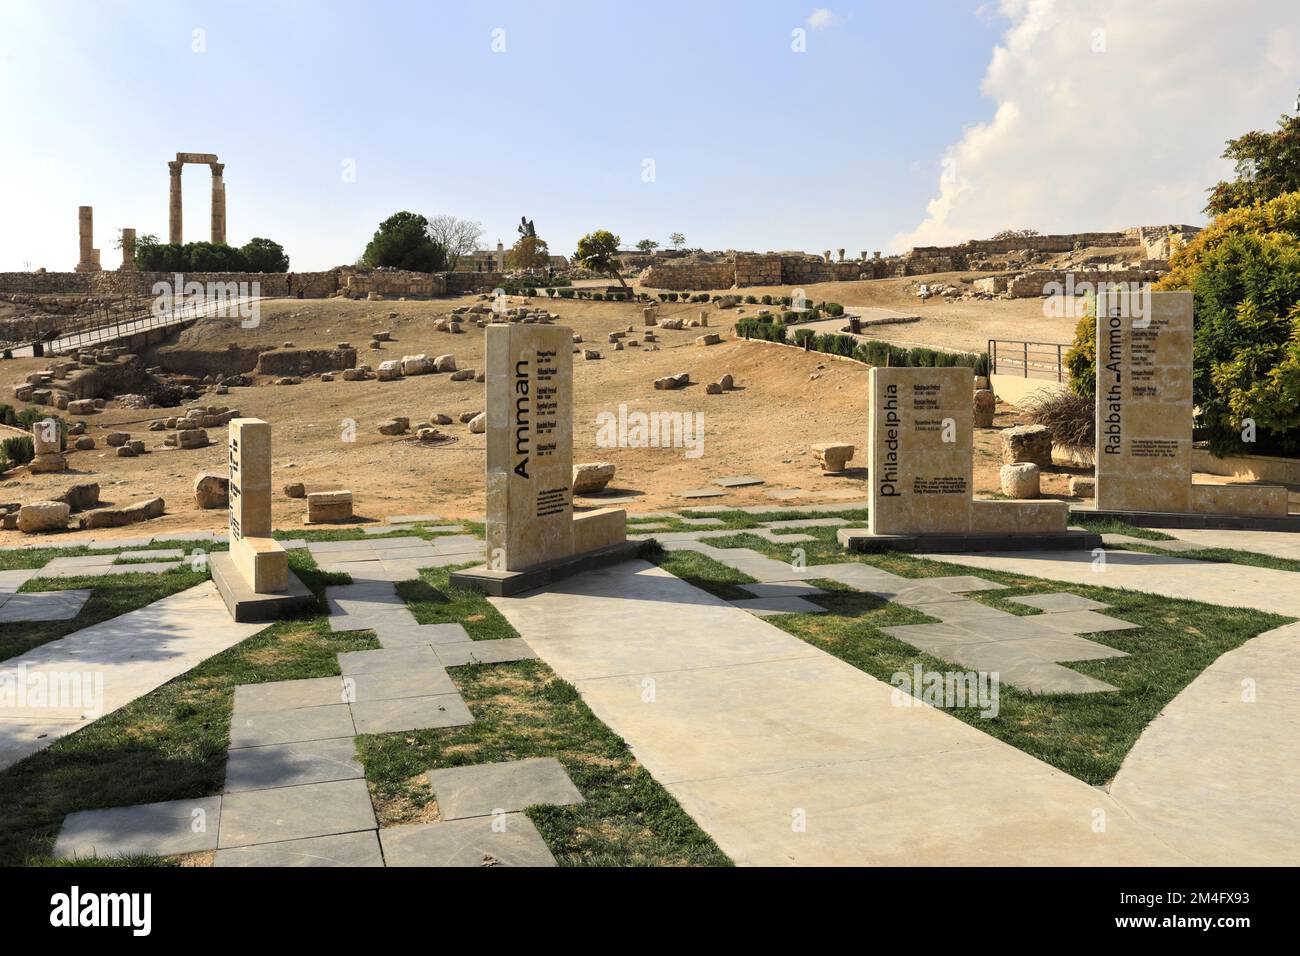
<point x="754" y="146"/>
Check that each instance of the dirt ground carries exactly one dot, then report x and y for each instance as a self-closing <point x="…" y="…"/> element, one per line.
<point x="786" y="401"/>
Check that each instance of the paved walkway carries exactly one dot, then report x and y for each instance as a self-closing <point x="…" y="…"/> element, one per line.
<point x="103" y="667"/>
<point x="1216" y="774"/>
<point x="788" y="756"/>
<point x="1279" y="544"/>
<point x="1229" y="585"/>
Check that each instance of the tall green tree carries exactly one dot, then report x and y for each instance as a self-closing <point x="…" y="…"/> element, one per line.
<point x="264" y="255"/>
<point x="402" y="242"/>
<point x="1268" y="165"/>
<point x="598" y="251"/>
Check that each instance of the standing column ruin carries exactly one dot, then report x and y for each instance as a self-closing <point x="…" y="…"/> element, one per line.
<point x="86" y="239"/>
<point x="218" y="204"/>
<point x="174" y="210"/>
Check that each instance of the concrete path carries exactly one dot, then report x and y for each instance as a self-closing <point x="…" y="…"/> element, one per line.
<point x="98" y="669"/>
<point x="1217" y="774"/>
<point x="789" y="756"/>
<point x="1278" y="544"/>
<point x="1229" y="585"/>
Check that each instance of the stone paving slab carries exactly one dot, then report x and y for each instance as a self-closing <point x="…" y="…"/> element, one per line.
<point x="702" y="522"/>
<point x="389" y="659"/>
<point x="161" y="829"/>
<point x="290" y="726"/>
<point x="288" y="695"/>
<point x="471" y="842"/>
<point x="1084" y="622"/>
<point x="405" y="635"/>
<point x="769" y="606"/>
<point x="781" y="589"/>
<point x="696" y="493"/>
<point x="964" y="583"/>
<point x="386" y="529"/>
<point x="768" y="535"/>
<point x="117" y="544"/>
<point x="738" y="481"/>
<point x="743" y="743"/>
<point x="1025" y="671"/>
<point x="410" y="713"/>
<point x="359" y="849"/>
<point x="144" y="567"/>
<point x="1063" y="601"/>
<point x="500" y="651"/>
<point x="412" y="519"/>
<point x="43" y="606"/>
<point x="483" y="789"/>
<point x="419" y="681"/>
<point x="806" y="523"/>
<point x="292" y="765"/>
<point x="135" y="653"/>
<point x="293" y="544"/>
<point x="293" y="813"/>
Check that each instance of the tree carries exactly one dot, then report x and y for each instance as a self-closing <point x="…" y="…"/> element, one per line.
<point x="677" y="239"/>
<point x="1243" y="271"/>
<point x="647" y="245"/>
<point x="1268" y="165"/>
<point x="453" y="238"/>
<point x="264" y="255"/>
<point x="401" y="242"/>
<point x="529" y="252"/>
<point x="598" y="251"/>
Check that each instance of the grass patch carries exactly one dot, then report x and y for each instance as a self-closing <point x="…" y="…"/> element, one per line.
<point x="169" y="744"/>
<point x="1085" y="735"/>
<point x="433" y="600"/>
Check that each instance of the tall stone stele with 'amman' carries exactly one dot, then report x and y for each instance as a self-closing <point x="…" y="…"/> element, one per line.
<point x="531" y="528"/>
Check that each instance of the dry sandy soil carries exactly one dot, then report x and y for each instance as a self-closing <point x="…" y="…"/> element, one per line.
<point x="786" y="400"/>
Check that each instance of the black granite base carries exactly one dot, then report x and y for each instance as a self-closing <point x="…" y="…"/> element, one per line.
<point x="863" y="541"/>
<point x="1173" y="519"/>
<point x="506" y="583"/>
<point x="247" y="606"/>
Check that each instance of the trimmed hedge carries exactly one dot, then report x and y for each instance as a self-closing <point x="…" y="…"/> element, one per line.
<point x="870" y="353"/>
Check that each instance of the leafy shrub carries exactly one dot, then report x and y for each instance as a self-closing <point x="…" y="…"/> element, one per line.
<point x="17" y="450"/>
<point x="565" y="293"/>
<point x="1072" y="418"/>
<point x="766" y="300"/>
<point x="833" y="309"/>
<point x="751" y="299"/>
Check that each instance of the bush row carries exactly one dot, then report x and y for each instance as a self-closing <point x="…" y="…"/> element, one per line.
<point x="871" y="352"/>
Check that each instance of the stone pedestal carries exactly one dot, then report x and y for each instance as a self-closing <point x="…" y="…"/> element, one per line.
<point x="47" y="445"/>
<point x="532" y="534"/>
<point x="254" y="577"/>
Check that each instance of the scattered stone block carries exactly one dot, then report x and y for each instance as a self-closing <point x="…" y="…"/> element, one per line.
<point x="395" y="426"/>
<point x="1083" y="487"/>
<point x="590" y="354"/>
<point x="445" y="363"/>
<point x="324" y="506"/>
<point x="211" y="490"/>
<point x="39" y="516"/>
<point x="463" y="375"/>
<point x="84" y="443"/>
<point x="713" y="388"/>
<point x="116" y="439"/>
<point x="388" y="371"/>
<point x="1020" y="480"/>
<point x="295" y="489"/>
<point x="82" y="495"/>
<point x="986" y="404"/>
<point x="417" y="365"/>
<point x="679" y="380"/>
<point x="591" y="477"/>
<point x="81" y="406"/>
<point x="833" y="456"/>
<point x="120" y="517"/>
<point x="478" y="424"/>
<point x="1031" y="444"/>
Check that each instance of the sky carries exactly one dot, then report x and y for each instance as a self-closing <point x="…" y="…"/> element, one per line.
<point x="763" y="125"/>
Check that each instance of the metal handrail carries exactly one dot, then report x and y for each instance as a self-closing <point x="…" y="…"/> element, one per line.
<point x="1023" y="362"/>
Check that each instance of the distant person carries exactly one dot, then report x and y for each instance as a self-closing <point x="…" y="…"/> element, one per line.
<point x="289" y="286"/>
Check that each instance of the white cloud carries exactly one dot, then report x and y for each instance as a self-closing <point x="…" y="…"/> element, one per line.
<point x="1131" y="135"/>
<point x="821" y="18"/>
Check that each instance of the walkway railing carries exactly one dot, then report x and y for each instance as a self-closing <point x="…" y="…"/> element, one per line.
<point x="1044" y="360"/>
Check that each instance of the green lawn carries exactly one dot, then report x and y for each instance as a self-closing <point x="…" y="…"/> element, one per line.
<point x="1086" y="735"/>
<point x="171" y="743"/>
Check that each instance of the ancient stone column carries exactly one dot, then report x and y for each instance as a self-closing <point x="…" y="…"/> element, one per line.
<point x="128" y="251"/>
<point x="218" y="203"/>
<point x="174" y="210"/>
<point x="86" y="238"/>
